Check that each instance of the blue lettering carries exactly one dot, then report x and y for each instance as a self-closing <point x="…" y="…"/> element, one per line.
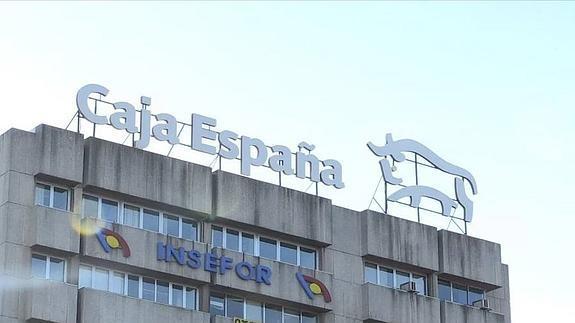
<point x="194" y="259"/>
<point x="178" y="254"/>
<point x="225" y="264"/>
<point x="241" y="268"/>
<point x="160" y="251"/>
<point x="263" y="274"/>
<point x="210" y="262"/>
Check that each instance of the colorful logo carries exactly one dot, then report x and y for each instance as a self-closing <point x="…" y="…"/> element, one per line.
<point x="112" y="240"/>
<point x="312" y="286"/>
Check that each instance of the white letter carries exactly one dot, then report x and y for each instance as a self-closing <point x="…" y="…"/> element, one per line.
<point x="282" y="161"/>
<point x="170" y="128"/>
<point x="144" y="129"/>
<point x="198" y="133"/>
<point x="82" y="102"/>
<point x="301" y="161"/>
<point x="332" y="176"/>
<point x="225" y="138"/>
<point x="247" y="160"/>
<point x="125" y="120"/>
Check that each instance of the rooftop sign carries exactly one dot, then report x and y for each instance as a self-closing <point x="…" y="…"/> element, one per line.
<point x="226" y="143"/>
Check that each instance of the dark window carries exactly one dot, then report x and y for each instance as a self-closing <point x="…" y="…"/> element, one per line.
<point x="268" y="249"/>
<point x="171" y="225"/>
<point x="291" y="316"/>
<point x="475" y="295"/>
<point x="386" y="277"/>
<point x="254" y="311"/>
<point x="232" y="240"/>
<point x="163" y="292"/>
<point x="217" y="237"/>
<point x="109" y="210"/>
<point x="190" y="298"/>
<point x="444" y="291"/>
<point x="57" y="269"/>
<point x="420" y="285"/>
<point x="189" y="229"/>
<point x="307" y="258"/>
<point x="217" y="306"/>
<point x="370" y="273"/>
<point x="39" y="266"/>
<point x="235" y="307"/>
<point x="133" y="286"/>
<point x="288" y="253"/>
<point x="148" y="289"/>
<point x="89" y="206"/>
<point x="273" y="314"/>
<point x="459" y="294"/>
<point x="248" y="243"/>
<point x="151" y="220"/>
<point x="308" y="318"/>
<point x="43" y="194"/>
<point x="401" y="278"/>
<point x="177" y="295"/>
<point x="60" y="198"/>
<point x="132" y="216"/>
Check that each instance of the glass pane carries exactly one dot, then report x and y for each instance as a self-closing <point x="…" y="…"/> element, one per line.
<point x="288" y="253"/>
<point x="307" y="258"/>
<point x="43" y="194"/>
<point x="190" y="298"/>
<point x="308" y="318"/>
<point x="101" y="279"/>
<point x="232" y="240"/>
<point x="132" y="216"/>
<point x="109" y="210"/>
<point x="370" y="273"/>
<point x="235" y="307"/>
<point x="217" y="306"/>
<point x="60" y="198"/>
<point x="133" y="286"/>
<point x="163" y="292"/>
<point x="189" y="229"/>
<point x="89" y="206"/>
<point x="248" y="244"/>
<point x="401" y="278"/>
<point x="151" y="220"/>
<point x="475" y="295"/>
<point x="386" y="277"/>
<point x="85" y="279"/>
<point x="254" y="311"/>
<point x="39" y="266"/>
<point x="268" y="248"/>
<point x="171" y="225"/>
<point x="459" y="294"/>
<point x="444" y="291"/>
<point x="117" y="283"/>
<point x="57" y="269"/>
<point x="177" y="295"/>
<point x="291" y="316"/>
<point x="273" y="314"/>
<point x="217" y="237"/>
<point x="420" y="285"/>
<point x="148" y="289"/>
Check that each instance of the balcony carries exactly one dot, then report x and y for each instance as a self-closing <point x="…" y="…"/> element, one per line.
<point x="451" y="312"/>
<point x="382" y="304"/>
<point x="47" y="301"/>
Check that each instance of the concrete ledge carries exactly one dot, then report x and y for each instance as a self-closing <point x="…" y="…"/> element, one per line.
<point x="142" y="244"/>
<point x="251" y="202"/>
<point x="284" y="289"/>
<point x="382" y="304"/>
<point x="399" y="240"/>
<point x="49" y="301"/>
<point x="472" y="258"/>
<point x="50" y="151"/>
<point x="54" y="229"/>
<point x="146" y="175"/>
<point x="104" y="307"/>
<point x="451" y="312"/>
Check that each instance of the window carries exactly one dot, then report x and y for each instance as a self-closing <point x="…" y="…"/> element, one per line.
<point x="232" y="240"/>
<point x="291" y="316"/>
<point x="254" y="311"/>
<point x="393" y="278"/>
<point x="308" y="318"/>
<point x="217" y="237"/>
<point x="178" y="295"/>
<point x="217" y="306"/>
<point x="52" y="196"/>
<point x="190" y="298"/>
<point x="163" y="292"/>
<point x="235" y="307"/>
<point x="268" y="248"/>
<point x="189" y="229"/>
<point x="171" y="225"/>
<point x="85" y="277"/>
<point x="89" y="206"/>
<point x="46" y="267"/>
<point x="134" y="286"/>
<point x="117" y="283"/>
<point x="273" y="314"/>
<point x="460" y="294"/>
<point x="101" y="279"/>
<point x="288" y="253"/>
<point x="151" y="220"/>
<point x="248" y="244"/>
<point x="148" y="289"/>
<point x="370" y="273"/>
<point x="109" y="210"/>
<point x="307" y="258"/>
<point x="132" y="216"/>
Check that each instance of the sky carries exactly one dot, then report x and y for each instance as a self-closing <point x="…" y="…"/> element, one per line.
<point x="490" y="86"/>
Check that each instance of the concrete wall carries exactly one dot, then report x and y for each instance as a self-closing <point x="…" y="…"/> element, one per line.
<point x="148" y="176"/>
<point x="280" y="209"/>
<point x="451" y="312"/>
<point x="104" y="307"/>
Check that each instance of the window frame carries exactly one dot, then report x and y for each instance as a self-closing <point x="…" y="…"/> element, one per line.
<point x="467" y="288"/>
<point x="51" y="202"/>
<point x="394" y="270"/>
<point x="47" y="267"/>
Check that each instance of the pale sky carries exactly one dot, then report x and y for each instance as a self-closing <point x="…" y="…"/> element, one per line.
<point x="489" y="86"/>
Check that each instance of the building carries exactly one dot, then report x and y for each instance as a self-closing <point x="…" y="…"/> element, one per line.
<point x="182" y="243"/>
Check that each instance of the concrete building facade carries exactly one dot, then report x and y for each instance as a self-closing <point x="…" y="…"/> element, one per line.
<point x="184" y="243"/>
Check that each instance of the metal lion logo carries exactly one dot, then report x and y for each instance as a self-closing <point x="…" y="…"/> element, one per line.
<point x="112" y="240"/>
<point x="312" y="287"/>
